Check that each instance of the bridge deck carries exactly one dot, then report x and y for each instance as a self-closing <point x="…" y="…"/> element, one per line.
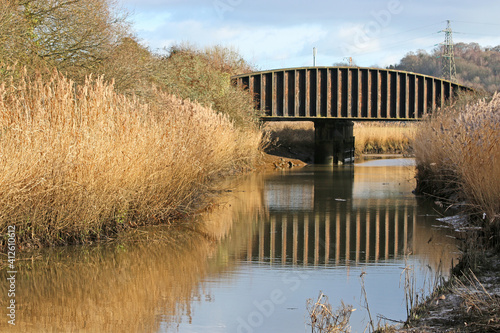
<point x="348" y="93"/>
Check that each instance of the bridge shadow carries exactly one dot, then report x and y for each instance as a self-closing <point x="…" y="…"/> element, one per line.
<point x="293" y="140"/>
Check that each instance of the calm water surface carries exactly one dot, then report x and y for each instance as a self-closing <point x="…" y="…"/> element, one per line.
<point x="268" y="245"/>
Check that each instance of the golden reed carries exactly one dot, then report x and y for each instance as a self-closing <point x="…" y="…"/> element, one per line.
<point x="80" y="163"/>
<point x="457" y="153"/>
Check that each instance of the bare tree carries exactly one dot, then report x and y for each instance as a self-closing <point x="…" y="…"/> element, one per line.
<point x="12" y="33"/>
<point x="75" y="36"/>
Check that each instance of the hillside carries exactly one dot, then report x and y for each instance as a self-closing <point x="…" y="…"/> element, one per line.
<point x="477" y="67"/>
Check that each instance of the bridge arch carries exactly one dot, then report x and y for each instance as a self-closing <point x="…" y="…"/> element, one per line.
<point x="334" y="97"/>
<point x="346" y="93"/>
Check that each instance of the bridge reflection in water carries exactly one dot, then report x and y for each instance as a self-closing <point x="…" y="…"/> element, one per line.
<point x="365" y="234"/>
<point x="323" y="218"/>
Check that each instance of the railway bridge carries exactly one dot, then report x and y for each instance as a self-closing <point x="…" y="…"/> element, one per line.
<point x="334" y="97"/>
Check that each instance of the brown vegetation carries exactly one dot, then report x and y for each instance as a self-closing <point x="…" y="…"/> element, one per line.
<point x="156" y="269"/>
<point x="92" y="138"/>
<point x="457" y="155"/>
<point x="323" y="318"/>
<point x="384" y="138"/>
<point x="477" y="67"/>
<point x="80" y="163"/>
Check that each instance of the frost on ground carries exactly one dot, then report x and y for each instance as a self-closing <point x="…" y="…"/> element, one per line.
<point x="471" y="303"/>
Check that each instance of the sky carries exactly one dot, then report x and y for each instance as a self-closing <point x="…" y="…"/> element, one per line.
<point x="272" y="34"/>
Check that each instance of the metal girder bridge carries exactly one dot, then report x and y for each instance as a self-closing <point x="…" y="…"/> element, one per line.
<point x="334" y="97"/>
<point x="348" y="93"/>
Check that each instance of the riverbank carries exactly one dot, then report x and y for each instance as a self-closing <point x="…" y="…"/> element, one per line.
<point x="469" y="302"/>
<point x="177" y="277"/>
<point x="112" y="135"/>
<point x="457" y="158"/>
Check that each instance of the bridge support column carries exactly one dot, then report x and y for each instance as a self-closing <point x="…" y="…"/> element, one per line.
<point x="333" y="142"/>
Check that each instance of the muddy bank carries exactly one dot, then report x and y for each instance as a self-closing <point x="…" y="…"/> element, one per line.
<point x="271" y="162"/>
<point x="469" y="302"/>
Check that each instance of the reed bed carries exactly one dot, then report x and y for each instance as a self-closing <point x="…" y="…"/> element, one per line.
<point x="457" y="154"/>
<point x="291" y="133"/>
<point x="383" y="138"/>
<point x="80" y="163"/>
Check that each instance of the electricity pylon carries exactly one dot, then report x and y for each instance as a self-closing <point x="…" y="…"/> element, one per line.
<point x="449" y="68"/>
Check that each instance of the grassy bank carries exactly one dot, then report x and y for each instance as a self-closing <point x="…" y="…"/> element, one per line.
<point x="82" y="162"/>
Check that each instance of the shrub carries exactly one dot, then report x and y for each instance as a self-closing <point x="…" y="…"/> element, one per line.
<point x="204" y="76"/>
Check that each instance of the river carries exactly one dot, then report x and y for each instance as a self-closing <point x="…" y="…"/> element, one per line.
<point x="252" y="260"/>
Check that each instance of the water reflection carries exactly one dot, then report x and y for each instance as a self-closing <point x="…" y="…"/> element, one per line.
<point x="297" y="232"/>
<point x="320" y="217"/>
<point x="124" y="287"/>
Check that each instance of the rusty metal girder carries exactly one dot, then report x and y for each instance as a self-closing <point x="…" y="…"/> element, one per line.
<point x="350" y="93"/>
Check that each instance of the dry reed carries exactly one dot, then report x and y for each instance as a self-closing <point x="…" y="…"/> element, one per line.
<point x="479" y="307"/>
<point x="291" y="133"/>
<point x="457" y="153"/>
<point x="82" y="162"/>
<point x="147" y="280"/>
<point x="384" y="138"/>
<point x="324" y="319"/>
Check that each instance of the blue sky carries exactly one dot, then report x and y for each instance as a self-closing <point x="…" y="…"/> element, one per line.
<point x="279" y="34"/>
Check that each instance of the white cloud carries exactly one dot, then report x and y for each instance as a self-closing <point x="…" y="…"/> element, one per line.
<point x="265" y="42"/>
<point x="283" y="33"/>
<point x="150" y="22"/>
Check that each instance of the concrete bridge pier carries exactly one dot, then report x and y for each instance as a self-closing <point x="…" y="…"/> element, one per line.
<point x="333" y="142"/>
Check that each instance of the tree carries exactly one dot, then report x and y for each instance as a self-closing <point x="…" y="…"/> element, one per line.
<point x="75" y="36"/>
<point x="130" y="65"/>
<point x="205" y="76"/>
<point x="477" y="67"/>
<point x="13" y="35"/>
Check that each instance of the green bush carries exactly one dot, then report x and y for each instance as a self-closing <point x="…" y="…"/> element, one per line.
<point x="205" y="76"/>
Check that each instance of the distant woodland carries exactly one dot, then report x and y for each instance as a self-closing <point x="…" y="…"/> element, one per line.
<point x="477" y="67"/>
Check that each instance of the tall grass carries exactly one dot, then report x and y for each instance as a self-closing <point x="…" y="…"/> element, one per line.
<point x="78" y="163"/>
<point x="291" y="133"/>
<point x="458" y="156"/>
<point x="383" y="138"/>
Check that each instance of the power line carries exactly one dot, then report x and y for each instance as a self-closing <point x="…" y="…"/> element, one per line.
<point x="449" y="67"/>
<point x="403" y="32"/>
<point x="474" y="34"/>
<point x="391" y="45"/>
<point x="365" y="51"/>
<point x="482" y="23"/>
